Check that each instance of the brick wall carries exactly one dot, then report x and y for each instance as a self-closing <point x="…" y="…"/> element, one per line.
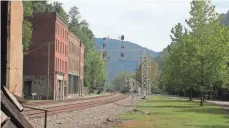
<point x="74" y="54"/>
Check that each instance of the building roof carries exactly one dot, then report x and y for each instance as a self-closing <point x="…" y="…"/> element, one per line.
<point x="57" y="16"/>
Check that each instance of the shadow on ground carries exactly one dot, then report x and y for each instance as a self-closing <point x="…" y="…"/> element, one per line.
<point x="208" y="126"/>
<point x="163" y="101"/>
<point x="165" y="106"/>
<point x="194" y="107"/>
<point x="208" y="111"/>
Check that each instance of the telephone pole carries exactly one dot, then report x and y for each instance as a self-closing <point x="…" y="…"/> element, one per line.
<point x="48" y="69"/>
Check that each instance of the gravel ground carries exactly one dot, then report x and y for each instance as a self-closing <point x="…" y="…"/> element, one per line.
<point x="104" y="116"/>
<point x="42" y="106"/>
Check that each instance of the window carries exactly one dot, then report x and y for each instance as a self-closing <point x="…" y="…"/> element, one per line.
<point x="65" y="66"/>
<point x="67" y="35"/>
<point x="58" y="64"/>
<point x="63" y="48"/>
<point x="66" y="51"/>
<point x="69" y="44"/>
<point x="57" y="28"/>
<point x="62" y="66"/>
<point x="60" y="47"/>
<point x="62" y="33"/>
<point x="55" y="64"/>
<point x="56" y="44"/>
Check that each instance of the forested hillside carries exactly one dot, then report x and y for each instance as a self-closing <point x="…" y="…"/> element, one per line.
<point x="131" y="51"/>
<point x="225" y="18"/>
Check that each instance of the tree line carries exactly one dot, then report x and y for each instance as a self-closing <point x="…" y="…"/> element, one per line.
<point x="119" y="81"/>
<point x="94" y="71"/>
<point x="197" y="60"/>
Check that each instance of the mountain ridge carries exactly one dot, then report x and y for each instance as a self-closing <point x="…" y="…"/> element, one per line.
<point x="132" y="54"/>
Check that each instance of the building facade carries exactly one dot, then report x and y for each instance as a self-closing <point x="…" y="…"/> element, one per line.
<point x="75" y="57"/>
<point x="133" y="84"/>
<point x="46" y="63"/>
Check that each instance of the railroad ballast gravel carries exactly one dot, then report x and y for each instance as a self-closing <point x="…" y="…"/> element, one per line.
<point x="96" y="117"/>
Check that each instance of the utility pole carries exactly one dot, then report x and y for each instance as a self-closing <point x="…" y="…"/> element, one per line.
<point x="48" y="69"/>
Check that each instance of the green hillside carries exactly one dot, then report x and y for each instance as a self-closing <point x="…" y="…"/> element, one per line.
<point x="131" y="51"/>
<point x="225" y="18"/>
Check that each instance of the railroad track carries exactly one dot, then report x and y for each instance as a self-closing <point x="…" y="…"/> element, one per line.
<point x="33" y="114"/>
<point x="65" y="101"/>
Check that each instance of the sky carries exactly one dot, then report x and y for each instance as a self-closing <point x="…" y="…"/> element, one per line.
<point x="147" y="23"/>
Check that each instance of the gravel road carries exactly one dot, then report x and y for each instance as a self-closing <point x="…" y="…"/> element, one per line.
<point x="96" y="117"/>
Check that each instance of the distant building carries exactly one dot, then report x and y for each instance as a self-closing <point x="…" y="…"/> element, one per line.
<point x="48" y="27"/>
<point x="133" y="84"/>
<point x="75" y="66"/>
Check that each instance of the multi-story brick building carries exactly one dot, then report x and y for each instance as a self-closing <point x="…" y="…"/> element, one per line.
<point x="46" y="64"/>
<point x="76" y="57"/>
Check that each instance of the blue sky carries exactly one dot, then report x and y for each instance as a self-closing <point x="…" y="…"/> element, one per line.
<point x="144" y="22"/>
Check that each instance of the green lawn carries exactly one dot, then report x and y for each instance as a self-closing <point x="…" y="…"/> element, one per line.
<point x="164" y="112"/>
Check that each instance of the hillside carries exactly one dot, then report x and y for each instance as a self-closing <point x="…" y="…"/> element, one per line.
<point x="225" y="18"/>
<point x="115" y="65"/>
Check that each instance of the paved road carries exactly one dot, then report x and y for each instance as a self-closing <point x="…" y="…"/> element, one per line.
<point x="224" y="104"/>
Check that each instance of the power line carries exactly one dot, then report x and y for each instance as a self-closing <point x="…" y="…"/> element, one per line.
<point x="38" y="48"/>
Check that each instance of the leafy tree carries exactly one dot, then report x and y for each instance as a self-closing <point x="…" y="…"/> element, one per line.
<point x="39" y="6"/>
<point x="206" y="35"/>
<point x="195" y="60"/>
<point x="94" y="69"/>
<point x="26" y="26"/>
<point x="118" y="83"/>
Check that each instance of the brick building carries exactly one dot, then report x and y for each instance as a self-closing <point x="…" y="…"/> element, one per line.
<point x="75" y="66"/>
<point x="47" y="60"/>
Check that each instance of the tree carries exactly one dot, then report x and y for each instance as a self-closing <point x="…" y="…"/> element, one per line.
<point x="39" y="6"/>
<point x="118" y="83"/>
<point x="206" y="37"/>
<point x="74" y="16"/>
<point x="94" y="70"/>
<point x="195" y="60"/>
<point x="27" y="26"/>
